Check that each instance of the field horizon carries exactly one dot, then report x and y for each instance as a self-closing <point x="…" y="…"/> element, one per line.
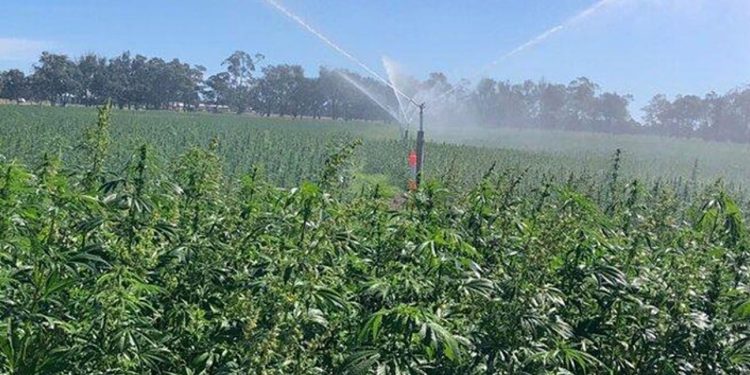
<point x="643" y="156"/>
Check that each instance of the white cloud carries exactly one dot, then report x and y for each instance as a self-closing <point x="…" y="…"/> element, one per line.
<point x="20" y="49"/>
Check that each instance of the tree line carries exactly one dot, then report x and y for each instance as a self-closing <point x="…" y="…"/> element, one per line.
<point x="139" y="82"/>
<point x="715" y="117"/>
<point x="581" y="105"/>
<point x="247" y="84"/>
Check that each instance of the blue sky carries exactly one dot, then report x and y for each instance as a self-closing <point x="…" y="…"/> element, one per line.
<point x="641" y="47"/>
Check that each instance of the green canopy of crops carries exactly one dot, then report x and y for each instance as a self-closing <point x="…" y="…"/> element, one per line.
<point x="184" y="268"/>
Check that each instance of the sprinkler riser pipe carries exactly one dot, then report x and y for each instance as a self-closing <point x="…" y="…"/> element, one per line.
<point x="420" y="155"/>
<point x="420" y="144"/>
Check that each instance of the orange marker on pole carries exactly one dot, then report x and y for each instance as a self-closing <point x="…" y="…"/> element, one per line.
<point x="412" y="183"/>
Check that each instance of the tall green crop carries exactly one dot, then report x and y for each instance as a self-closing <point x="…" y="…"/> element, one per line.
<point x="191" y="259"/>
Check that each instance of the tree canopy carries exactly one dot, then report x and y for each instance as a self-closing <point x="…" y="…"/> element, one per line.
<point x="243" y="85"/>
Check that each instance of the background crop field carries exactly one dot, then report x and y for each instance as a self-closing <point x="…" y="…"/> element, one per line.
<point x="293" y="150"/>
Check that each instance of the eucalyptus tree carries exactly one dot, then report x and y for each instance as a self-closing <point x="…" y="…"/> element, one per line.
<point x="93" y="79"/>
<point x="14" y="85"/>
<point x="240" y="67"/>
<point x="55" y="78"/>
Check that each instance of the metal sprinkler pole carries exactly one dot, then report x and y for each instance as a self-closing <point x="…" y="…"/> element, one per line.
<point x="420" y="144"/>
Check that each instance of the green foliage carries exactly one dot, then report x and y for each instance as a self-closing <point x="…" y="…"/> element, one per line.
<point x="96" y="145"/>
<point x="188" y="268"/>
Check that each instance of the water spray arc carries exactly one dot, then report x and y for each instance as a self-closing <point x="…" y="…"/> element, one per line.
<point x="390" y="70"/>
<point x="582" y="15"/>
<point x="330" y="43"/>
<point x="369" y="95"/>
<point x="550" y="32"/>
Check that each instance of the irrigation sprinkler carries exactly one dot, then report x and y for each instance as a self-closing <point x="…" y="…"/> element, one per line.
<point x="416" y="156"/>
<point x="420" y="134"/>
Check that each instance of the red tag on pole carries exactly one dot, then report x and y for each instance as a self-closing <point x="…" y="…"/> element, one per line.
<point x="412" y="159"/>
